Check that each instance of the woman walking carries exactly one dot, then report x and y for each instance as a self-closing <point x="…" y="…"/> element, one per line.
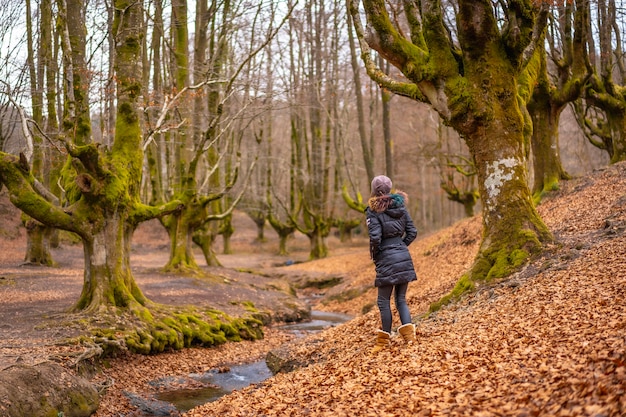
<point x="391" y="231"/>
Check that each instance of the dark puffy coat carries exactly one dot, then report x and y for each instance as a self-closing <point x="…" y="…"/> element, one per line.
<point x="391" y="231"/>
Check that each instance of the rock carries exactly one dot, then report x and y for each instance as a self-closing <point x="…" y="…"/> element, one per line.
<point x="282" y="360"/>
<point x="151" y="406"/>
<point x="45" y="389"/>
<point x="293" y="356"/>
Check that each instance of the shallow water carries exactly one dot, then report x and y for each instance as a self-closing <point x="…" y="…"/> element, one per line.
<point x="320" y="320"/>
<point x="240" y="376"/>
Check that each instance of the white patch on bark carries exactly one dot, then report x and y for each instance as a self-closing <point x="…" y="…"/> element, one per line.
<point x="498" y="172"/>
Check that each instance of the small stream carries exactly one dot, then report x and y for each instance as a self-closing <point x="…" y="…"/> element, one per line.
<point x="236" y="377"/>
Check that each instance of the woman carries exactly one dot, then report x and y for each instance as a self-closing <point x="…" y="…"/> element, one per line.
<point x="391" y="231"/>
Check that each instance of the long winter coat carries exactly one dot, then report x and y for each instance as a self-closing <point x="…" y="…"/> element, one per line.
<point x="391" y="231"/>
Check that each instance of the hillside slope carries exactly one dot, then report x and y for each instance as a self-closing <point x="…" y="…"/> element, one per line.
<point x="548" y="341"/>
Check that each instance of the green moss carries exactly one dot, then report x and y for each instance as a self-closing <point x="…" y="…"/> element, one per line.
<point x="249" y="306"/>
<point x="551" y="185"/>
<point x="78" y="403"/>
<point x="139" y="342"/>
<point x="119" y="297"/>
<point x="141" y="312"/>
<point x="159" y="328"/>
<point x="505" y="263"/>
<point x="461" y="100"/>
<point x="463" y="286"/>
<point x="497" y="261"/>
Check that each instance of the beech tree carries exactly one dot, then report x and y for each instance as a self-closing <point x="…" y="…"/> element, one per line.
<point x="549" y="92"/>
<point x="105" y="208"/>
<point x="471" y="81"/>
<point x="602" y="113"/>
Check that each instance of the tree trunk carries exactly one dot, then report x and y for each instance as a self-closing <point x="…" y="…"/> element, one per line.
<point x="38" y="235"/>
<point x="317" y="238"/>
<point x="513" y="230"/>
<point x="283" y="231"/>
<point x="38" y="243"/>
<point x="368" y="161"/>
<point x="108" y="280"/>
<point x="180" y="228"/>
<point x="259" y="218"/>
<point x="77" y="117"/>
<point x="548" y="99"/>
<point x="617" y="122"/>
<point x="205" y="239"/>
<point x="227" y="230"/>
<point x="385" y="100"/>
<point x="548" y="169"/>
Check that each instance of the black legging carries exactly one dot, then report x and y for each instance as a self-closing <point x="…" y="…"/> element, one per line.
<point x="384" y="305"/>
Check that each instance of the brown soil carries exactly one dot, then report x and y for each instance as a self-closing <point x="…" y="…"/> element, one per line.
<point x="549" y="340"/>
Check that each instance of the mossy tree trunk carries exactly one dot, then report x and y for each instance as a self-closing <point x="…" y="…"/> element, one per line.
<point x="283" y="229"/>
<point x="605" y="89"/>
<point x="193" y="223"/>
<point x="109" y="182"/>
<point x="512" y="229"/>
<point x="180" y="227"/>
<point x="547" y="166"/>
<point x="105" y="207"/>
<point x="108" y="281"/>
<point x="473" y="87"/>
<point x="609" y="134"/>
<point x="205" y="241"/>
<point x="547" y="99"/>
<point x="345" y="228"/>
<point x="317" y="237"/>
<point x="38" y="243"/>
<point x="226" y="231"/>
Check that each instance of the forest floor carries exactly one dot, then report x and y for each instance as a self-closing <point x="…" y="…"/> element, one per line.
<point x="550" y="340"/>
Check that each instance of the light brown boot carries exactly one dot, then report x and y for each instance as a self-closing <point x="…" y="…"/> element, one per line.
<point x="382" y="341"/>
<point x="407" y="331"/>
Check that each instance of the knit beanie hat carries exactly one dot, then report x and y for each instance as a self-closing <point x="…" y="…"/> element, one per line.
<point x="381" y="185"/>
